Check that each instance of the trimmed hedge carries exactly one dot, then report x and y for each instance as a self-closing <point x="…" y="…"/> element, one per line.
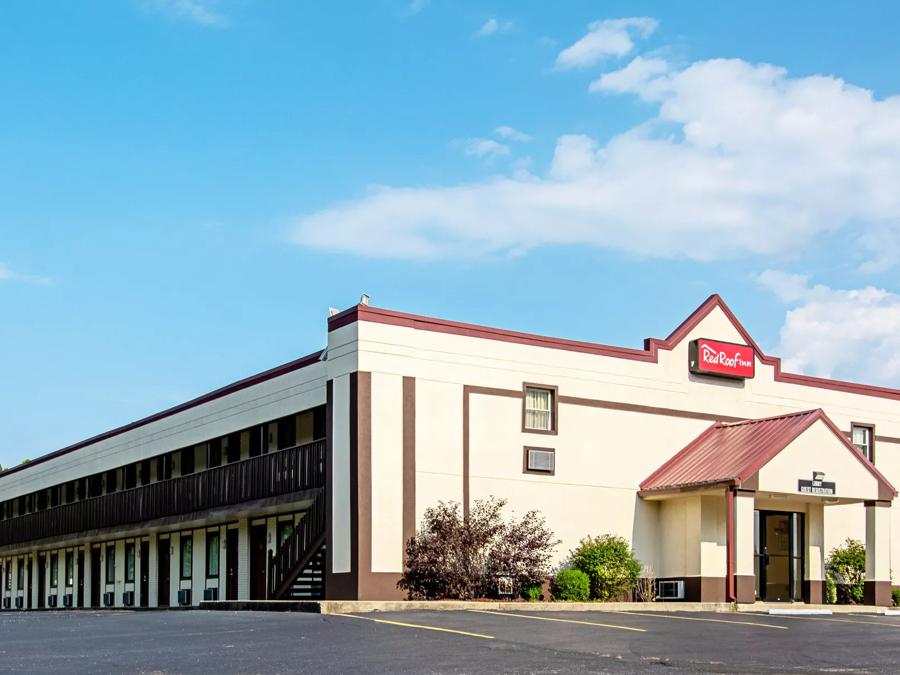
<point x="571" y="585"/>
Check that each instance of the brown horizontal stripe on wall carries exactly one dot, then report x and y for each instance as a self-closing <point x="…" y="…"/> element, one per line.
<point x="646" y="409"/>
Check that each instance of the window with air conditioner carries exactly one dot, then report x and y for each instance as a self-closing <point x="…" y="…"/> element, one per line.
<point x="540" y="460"/>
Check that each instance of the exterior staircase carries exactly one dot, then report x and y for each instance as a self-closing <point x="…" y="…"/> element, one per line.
<point x="297" y="568"/>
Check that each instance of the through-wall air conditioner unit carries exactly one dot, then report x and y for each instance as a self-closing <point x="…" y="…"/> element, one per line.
<point x="51" y="600"/>
<point x="184" y="597"/>
<point x="211" y="594"/>
<point x="7" y="603"/>
<point x="109" y="599"/>
<point x="67" y="600"/>
<point x="128" y="598"/>
<point x="20" y="602"/>
<point x="670" y="590"/>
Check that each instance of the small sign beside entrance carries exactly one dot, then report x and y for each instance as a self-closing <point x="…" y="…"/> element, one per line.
<point x="816" y="486"/>
<point x="721" y="359"/>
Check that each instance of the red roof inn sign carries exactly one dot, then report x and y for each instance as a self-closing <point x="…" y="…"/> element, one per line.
<point x="721" y="359"/>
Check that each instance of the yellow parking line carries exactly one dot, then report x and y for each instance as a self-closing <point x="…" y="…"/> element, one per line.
<point x="550" y="618"/>
<point x="416" y="625"/>
<point x="664" y="615"/>
<point x="888" y="624"/>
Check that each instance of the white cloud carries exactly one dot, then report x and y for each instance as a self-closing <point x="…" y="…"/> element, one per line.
<point x="633" y="76"/>
<point x="199" y="12"/>
<point x="512" y="134"/>
<point x="7" y="274"/>
<point x="848" y="334"/>
<point x="484" y="148"/>
<point x="610" y="37"/>
<point x="492" y="26"/>
<point x="736" y="159"/>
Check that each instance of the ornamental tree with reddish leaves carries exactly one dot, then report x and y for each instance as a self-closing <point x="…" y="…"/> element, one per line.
<point x="464" y="557"/>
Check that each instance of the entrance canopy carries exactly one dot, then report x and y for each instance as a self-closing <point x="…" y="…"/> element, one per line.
<point x="802" y="454"/>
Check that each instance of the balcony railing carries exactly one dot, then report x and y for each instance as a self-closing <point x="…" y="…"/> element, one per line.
<point x="276" y="473"/>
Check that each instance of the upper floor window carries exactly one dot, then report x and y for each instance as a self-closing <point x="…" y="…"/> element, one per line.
<point x="540" y="409"/>
<point x="863" y="438"/>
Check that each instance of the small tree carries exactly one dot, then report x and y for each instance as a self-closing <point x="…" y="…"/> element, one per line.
<point x="646" y="591"/>
<point x="521" y="552"/>
<point x="846" y="569"/>
<point x="610" y="564"/>
<point x="462" y="557"/>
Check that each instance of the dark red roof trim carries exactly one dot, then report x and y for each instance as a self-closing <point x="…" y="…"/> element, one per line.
<point x="649" y="353"/>
<point x="200" y="400"/>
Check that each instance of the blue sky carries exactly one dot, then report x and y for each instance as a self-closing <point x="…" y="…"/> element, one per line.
<point x="187" y="185"/>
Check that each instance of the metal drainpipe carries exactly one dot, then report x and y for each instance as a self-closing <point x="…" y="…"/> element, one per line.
<point x="729" y="543"/>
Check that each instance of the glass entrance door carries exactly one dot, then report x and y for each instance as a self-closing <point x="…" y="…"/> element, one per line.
<point x="779" y="556"/>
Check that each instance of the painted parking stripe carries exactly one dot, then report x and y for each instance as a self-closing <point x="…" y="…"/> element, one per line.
<point x="887" y="624"/>
<point x="416" y="625"/>
<point x="550" y="618"/>
<point x="664" y="615"/>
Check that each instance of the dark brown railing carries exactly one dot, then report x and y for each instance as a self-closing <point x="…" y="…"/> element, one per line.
<point x="297" y="550"/>
<point x="276" y="473"/>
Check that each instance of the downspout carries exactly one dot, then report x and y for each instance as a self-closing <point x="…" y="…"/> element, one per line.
<point x="729" y="544"/>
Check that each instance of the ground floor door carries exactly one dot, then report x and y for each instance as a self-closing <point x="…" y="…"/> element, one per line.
<point x="258" y="551"/>
<point x="42" y="581"/>
<point x="145" y="574"/>
<point x="79" y="589"/>
<point x="231" y="564"/>
<point x="779" y="556"/>
<point x="163" y="573"/>
<point x="95" y="577"/>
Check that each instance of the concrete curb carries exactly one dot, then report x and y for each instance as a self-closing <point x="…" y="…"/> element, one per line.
<point x="367" y="606"/>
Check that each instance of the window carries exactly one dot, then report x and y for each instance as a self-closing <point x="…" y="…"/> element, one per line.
<point x="129" y="562"/>
<point x="540" y="409"/>
<point x="110" y="563"/>
<point x="234" y="447"/>
<point x="212" y="554"/>
<point x="9" y="577"/>
<point x="70" y="568"/>
<point x="540" y="460"/>
<point x="54" y="570"/>
<point x="862" y="438"/>
<point x="187" y="555"/>
<point x="285" y="530"/>
<point x="20" y="574"/>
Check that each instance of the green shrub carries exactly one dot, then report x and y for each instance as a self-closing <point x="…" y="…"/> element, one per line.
<point x="571" y="585"/>
<point x="830" y="591"/>
<point x="846" y="568"/>
<point x="533" y="592"/>
<point x="895" y="596"/>
<point x="609" y="563"/>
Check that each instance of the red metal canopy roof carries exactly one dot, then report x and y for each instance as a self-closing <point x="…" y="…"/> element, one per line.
<point x="730" y="453"/>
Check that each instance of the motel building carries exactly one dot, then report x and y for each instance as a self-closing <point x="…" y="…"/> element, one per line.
<point x="731" y="478"/>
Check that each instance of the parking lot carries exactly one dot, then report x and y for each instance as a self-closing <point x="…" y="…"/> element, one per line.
<point x="445" y="642"/>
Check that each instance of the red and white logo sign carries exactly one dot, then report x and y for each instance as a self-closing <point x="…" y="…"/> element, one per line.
<point x="710" y="357"/>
